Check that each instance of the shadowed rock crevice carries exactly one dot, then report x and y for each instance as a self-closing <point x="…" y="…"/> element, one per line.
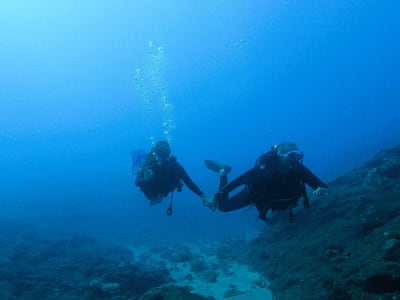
<point x="383" y="283"/>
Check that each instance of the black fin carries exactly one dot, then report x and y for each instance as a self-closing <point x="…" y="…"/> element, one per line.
<point x="216" y="166"/>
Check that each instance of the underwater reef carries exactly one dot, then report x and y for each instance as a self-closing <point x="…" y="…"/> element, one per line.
<point x="43" y="264"/>
<point x="36" y="264"/>
<point x="346" y="246"/>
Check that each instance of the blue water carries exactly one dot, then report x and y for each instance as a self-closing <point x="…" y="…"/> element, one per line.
<point x="237" y="77"/>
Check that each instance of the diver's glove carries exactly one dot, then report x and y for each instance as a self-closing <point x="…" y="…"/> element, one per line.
<point x="210" y="202"/>
<point x="321" y="192"/>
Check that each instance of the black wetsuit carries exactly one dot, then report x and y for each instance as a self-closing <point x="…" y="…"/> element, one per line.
<point x="166" y="178"/>
<point x="274" y="182"/>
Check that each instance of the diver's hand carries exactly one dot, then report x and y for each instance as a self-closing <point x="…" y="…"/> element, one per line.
<point x="209" y="202"/>
<point x="321" y="192"/>
<point x="147" y="174"/>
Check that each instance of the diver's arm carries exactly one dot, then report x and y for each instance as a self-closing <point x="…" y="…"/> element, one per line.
<point x="188" y="181"/>
<point x="139" y="181"/>
<point x="247" y="177"/>
<point x="145" y="175"/>
<point x="310" y="178"/>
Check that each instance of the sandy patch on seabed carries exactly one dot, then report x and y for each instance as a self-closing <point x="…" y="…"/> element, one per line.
<point x="234" y="281"/>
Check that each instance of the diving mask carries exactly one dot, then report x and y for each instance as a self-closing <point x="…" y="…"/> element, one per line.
<point x="294" y="155"/>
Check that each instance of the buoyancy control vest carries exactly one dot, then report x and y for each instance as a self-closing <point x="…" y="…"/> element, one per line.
<point x="280" y="188"/>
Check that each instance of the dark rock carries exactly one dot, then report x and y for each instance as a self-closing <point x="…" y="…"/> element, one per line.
<point x="171" y="293"/>
<point x="338" y="293"/>
<point x="102" y="287"/>
<point x="232" y="292"/>
<point x="383" y="283"/>
<point x="342" y="247"/>
<point x="47" y="265"/>
<point x="210" y="276"/>
<point x="181" y="254"/>
<point x="198" y="266"/>
<point x="392" y="250"/>
<point x="189" y="277"/>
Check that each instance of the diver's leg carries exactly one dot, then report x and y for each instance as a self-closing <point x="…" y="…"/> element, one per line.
<point x="216" y="166"/>
<point x="223" y="171"/>
<point x="223" y="179"/>
<point x="240" y="200"/>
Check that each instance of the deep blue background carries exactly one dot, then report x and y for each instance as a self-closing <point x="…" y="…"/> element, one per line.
<point x="241" y="76"/>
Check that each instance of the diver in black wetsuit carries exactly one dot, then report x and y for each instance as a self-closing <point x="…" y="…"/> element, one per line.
<point x="161" y="174"/>
<point x="276" y="182"/>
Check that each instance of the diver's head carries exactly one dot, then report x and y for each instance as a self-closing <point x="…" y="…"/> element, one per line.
<point x="162" y="151"/>
<point x="289" y="150"/>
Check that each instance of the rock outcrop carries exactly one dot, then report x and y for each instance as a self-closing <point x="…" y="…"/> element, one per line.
<point x="344" y="247"/>
<point x="35" y="264"/>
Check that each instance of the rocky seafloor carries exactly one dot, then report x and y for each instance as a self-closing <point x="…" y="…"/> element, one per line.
<point x="38" y="264"/>
<point x="346" y="246"/>
<point x="44" y="265"/>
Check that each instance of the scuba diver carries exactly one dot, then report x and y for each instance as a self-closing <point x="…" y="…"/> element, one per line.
<point x="276" y="182"/>
<point x="161" y="174"/>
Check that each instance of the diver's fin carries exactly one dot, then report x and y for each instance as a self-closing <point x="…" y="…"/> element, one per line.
<point x="217" y="167"/>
